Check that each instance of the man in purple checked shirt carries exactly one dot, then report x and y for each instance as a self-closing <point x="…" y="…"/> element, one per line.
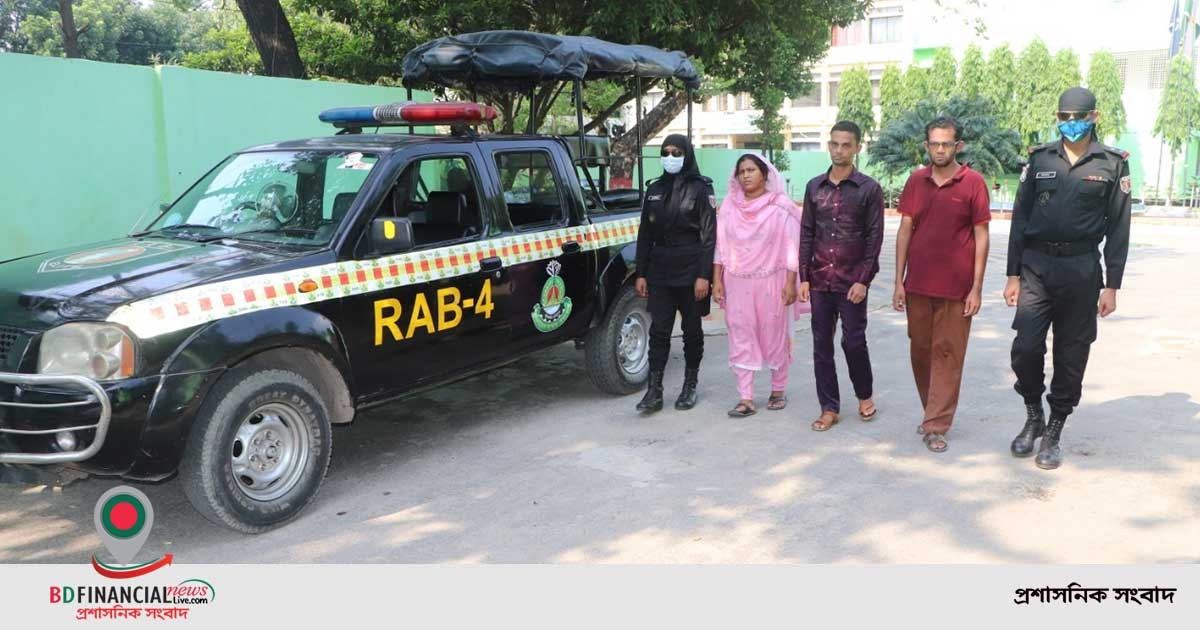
<point x="841" y="233"/>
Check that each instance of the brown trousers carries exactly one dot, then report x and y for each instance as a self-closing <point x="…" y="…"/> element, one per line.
<point x="937" y="333"/>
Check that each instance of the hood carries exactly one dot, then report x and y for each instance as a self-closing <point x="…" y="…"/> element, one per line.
<point x="88" y="282"/>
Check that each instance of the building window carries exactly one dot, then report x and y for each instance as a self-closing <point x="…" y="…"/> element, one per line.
<point x="885" y="30"/>
<point x="812" y="99"/>
<point x="743" y="102"/>
<point x="833" y="93"/>
<point x="851" y="35"/>
<point x="806" y="146"/>
<point x="714" y="145"/>
<point x="1156" y="71"/>
<point x="710" y="105"/>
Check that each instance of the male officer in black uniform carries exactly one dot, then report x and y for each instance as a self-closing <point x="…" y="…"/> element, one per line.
<point x="1073" y="194"/>
<point x="675" y="245"/>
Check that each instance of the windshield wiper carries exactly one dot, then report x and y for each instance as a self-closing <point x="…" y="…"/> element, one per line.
<point x="284" y="231"/>
<point x="182" y="227"/>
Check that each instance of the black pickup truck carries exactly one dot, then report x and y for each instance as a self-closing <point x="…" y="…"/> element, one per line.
<point x="297" y="283"/>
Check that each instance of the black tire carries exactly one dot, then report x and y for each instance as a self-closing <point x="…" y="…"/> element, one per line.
<point x="288" y="409"/>
<point x="607" y="365"/>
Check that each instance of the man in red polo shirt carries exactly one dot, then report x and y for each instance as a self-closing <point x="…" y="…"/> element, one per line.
<point x="941" y="253"/>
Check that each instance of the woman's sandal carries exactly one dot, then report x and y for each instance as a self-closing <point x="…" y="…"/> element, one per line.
<point x="936" y="442"/>
<point x="825" y="422"/>
<point x="742" y="410"/>
<point x="775" y="403"/>
<point x="867" y="417"/>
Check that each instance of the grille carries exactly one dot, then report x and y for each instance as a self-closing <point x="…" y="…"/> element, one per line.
<point x="8" y="339"/>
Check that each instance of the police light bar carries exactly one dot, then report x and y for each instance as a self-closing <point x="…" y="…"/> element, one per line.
<point x="409" y="113"/>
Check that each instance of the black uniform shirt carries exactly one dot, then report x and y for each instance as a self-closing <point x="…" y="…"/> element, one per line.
<point x="678" y="233"/>
<point x="1057" y="202"/>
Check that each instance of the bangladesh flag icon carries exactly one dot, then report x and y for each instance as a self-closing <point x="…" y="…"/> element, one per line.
<point x="123" y="518"/>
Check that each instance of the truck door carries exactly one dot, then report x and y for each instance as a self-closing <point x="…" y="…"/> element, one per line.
<point x="443" y="317"/>
<point x="551" y="279"/>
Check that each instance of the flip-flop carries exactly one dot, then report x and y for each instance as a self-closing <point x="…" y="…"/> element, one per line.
<point x="870" y="416"/>
<point x="776" y="403"/>
<point x="742" y="410"/>
<point x="821" y="425"/>
<point x="930" y="438"/>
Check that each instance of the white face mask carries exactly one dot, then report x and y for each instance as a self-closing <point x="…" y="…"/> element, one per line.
<point x="672" y="164"/>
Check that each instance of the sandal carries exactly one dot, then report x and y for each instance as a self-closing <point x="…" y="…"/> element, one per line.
<point x="825" y="422"/>
<point x="921" y="429"/>
<point x="936" y="442"/>
<point x="775" y="403"/>
<point x="867" y="417"/>
<point x="742" y="410"/>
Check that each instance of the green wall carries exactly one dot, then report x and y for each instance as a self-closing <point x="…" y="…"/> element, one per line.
<point x="89" y="147"/>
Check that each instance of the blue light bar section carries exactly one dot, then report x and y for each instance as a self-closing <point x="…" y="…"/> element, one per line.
<point x="352" y="115"/>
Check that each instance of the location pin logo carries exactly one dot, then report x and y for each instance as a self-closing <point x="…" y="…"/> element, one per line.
<point x="124" y="517"/>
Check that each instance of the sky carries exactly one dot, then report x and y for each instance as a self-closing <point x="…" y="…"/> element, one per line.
<point x="1082" y="25"/>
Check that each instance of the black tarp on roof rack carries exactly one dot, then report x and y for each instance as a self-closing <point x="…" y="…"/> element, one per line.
<point x="518" y="60"/>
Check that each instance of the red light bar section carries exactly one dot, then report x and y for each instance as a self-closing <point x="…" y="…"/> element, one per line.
<point x="447" y="113"/>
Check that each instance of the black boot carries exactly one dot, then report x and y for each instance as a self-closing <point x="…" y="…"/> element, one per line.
<point x="1049" y="455"/>
<point x="687" y="395"/>
<point x="653" y="400"/>
<point x="1035" y="426"/>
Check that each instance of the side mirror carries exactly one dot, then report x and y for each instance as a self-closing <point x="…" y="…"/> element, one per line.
<point x="391" y="235"/>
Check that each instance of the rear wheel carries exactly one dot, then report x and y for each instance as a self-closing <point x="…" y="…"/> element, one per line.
<point x="618" y="350"/>
<point x="259" y="449"/>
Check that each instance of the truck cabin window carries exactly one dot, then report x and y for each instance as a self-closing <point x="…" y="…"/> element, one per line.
<point x="531" y="191"/>
<point x="282" y="197"/>
<point x="440" y="197"/>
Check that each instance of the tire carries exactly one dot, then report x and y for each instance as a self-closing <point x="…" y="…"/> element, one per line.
<point x="272" y="427"/>
<point x="617" y="351"/>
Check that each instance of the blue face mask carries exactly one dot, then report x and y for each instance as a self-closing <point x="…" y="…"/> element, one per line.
<point x="1073" y="130"/>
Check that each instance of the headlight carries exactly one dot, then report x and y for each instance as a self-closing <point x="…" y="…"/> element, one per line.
<point x="98" y="351"/>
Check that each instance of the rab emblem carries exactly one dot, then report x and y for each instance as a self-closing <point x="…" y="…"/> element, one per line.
<point x="554" y="309"/>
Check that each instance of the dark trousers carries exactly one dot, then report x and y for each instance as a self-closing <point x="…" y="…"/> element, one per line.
<point x="827" y="308"/>
<point x="1059" y="292"/>
<point x="663" y="303"/>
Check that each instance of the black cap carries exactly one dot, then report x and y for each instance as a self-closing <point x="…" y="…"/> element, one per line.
<point x="1077" y="99"/>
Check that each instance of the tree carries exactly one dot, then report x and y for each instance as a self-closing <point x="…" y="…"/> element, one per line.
<point x="1000" y="86"/>
<point x="119" y="31"/>
<point x="989" y="147"/>
<point x="1066" y="71"/>
<point x="943" y="76"/>
<point x="1178" y="112"/>
<point x="273" y="37"/>
<point x="916" y="87"/>
<point x="855" y="100"/>
<point x="891" y="94"/>
<point x="973" y="75"/>
<point x="1104" y="80"/>
<point x="1035" y="86"/>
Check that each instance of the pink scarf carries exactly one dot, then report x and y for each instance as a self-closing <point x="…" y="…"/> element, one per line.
<point x="751" y="235"/>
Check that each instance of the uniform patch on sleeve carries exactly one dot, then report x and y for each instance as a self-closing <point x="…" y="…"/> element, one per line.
<point x="1126" y="185"/>
<point x="1024" y="173"/>
<point x="712" y="201"/>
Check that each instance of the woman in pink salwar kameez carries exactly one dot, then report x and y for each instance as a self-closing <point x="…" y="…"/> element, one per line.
<point x="754" y="277"/>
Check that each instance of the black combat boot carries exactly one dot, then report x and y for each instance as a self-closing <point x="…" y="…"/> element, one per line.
<point x="653" y="400"/>
<point x="1049" y="455"/>
<point x="1035" y="426"/>
<point x="687" y="395"/>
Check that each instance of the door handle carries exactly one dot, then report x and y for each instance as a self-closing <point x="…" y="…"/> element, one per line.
<point x="570" y="247"/>
<point x="488" y="265"/>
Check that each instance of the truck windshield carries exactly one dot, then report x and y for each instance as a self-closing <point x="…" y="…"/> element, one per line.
<point x="285" y="197"/>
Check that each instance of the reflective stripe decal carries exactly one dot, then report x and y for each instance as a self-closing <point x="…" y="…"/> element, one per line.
<point x="186" y="308"/>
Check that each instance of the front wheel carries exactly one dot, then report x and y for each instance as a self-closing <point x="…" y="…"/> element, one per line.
<point x="618" y="350"/>
<point x="259" y="449"/>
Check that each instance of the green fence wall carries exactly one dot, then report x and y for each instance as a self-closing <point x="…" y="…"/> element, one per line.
<point x="89" y="147"/>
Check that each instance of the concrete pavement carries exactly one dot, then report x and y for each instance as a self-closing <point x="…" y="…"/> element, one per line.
<point x="530" y="464"/>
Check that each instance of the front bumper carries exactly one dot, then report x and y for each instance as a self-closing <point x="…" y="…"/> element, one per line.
<point x="66" y="393"/>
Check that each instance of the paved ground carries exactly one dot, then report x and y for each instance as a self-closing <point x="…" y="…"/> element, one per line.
<point x="530" y="464"/>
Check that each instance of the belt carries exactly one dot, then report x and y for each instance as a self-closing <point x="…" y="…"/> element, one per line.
<point x="1063" y="248"/>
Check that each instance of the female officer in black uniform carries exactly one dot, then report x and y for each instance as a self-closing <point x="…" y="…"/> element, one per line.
<point x="675" y="247"/>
